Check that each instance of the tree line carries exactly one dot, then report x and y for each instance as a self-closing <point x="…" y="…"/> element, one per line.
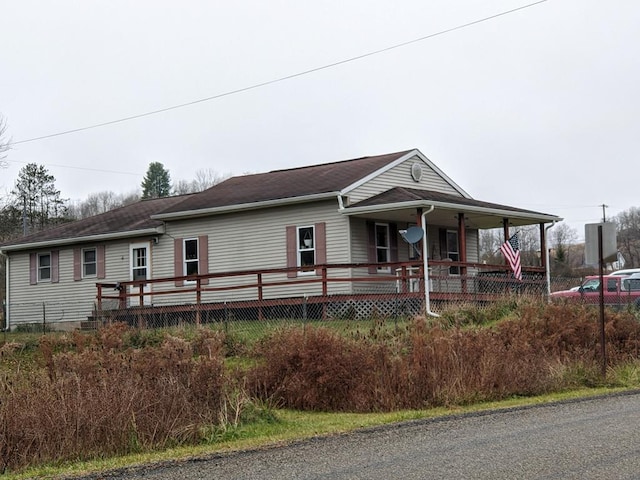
<point x="35" y="203"/>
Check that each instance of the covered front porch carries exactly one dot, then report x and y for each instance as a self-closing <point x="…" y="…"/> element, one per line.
<point x="448" y="248"/>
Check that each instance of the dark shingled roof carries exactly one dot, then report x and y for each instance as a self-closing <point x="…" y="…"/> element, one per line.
<point x="403" y="194"/>
<point x="129" y="218"/>
<point x="280" y="184"/>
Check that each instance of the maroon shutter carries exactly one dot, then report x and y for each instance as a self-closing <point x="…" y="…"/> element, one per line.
<point x="292" y="251"/>
<point x="100" y="261"/>
<point x="77" y="264"/>
<point x="393" y="242"/>
<point x="371" y="246"/>
<point x="321" y="245"/>
<point x="177" y="261"/>
<point x="203" y="257"/>
<point x="55" y="271"/>
<point x="33" y="268"/>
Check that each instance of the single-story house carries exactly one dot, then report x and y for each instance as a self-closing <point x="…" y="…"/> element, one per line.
<point x="329" y="229"/>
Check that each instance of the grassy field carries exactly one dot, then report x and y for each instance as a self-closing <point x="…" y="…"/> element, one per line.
<point x="78" y="402"/>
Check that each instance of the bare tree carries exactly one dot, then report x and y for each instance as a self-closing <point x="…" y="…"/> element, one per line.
<point x="5" y="143"/>
<point x="562" y="237"/>
<point x="101" y="202"/>
<point x="628" y="232"/>
<point x="205" y="178"/>
<point x="490" y="241"/>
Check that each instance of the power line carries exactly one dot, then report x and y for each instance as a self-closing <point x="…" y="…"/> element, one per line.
<point x="277" y="80"/>
<point x="82" y="168"/>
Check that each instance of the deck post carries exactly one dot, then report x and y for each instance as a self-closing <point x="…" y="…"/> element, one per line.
<point x="198" y="300"/>
<point x="260" y="317"/>
<point x="99" y="298"/>
<point x="462" y="239"/>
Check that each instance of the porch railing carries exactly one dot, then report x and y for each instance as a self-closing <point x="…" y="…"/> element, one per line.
<point x="448" y="282"/>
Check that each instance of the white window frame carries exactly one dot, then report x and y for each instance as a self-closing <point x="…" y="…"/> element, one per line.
<point x="303" y="247"/>
<point x="455" y="253"/>
<point x="186" y="261"/>
<point x="85" y="263"/>
<point x="42" y="268"/>
<point x="383" y="248"/>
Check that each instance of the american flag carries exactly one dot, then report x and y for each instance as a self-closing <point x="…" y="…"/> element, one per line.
<point x="511" y="251"/>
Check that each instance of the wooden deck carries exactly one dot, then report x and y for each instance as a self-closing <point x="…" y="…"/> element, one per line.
<point x="404" y="295"/>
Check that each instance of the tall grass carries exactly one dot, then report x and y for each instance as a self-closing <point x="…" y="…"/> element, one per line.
<point x="118" y="391"/>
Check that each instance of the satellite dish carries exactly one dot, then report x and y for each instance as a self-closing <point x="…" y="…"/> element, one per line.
<point x="413" y="235"/>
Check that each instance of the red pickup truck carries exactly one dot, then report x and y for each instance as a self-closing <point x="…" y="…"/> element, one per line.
<point x="618" y="291"/>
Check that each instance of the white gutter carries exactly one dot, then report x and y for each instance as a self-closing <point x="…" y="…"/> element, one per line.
<point x="90" y="238"/>
<point x="451" y="206"/>
<point x="243" y="206"/>
<point x="546" y="261"/>
<point x="425" y="266"/>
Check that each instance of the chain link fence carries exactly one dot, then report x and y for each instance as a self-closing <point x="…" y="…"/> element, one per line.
<point x="391" y="302"/>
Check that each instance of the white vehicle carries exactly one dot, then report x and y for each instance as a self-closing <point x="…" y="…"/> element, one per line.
<point x="627" y="271"/>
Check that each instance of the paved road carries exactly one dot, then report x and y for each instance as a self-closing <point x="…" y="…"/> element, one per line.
<point x="592" y="439"/>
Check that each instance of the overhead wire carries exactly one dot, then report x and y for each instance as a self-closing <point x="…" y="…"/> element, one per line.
<point x="276" y="80"/>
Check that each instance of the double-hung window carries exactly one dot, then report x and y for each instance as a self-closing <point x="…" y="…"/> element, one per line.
<point x="89" y="262"/>
<point x="191" y="260"/>
<point x="383" y="250"/>
<point x="44" y="267"/>
<point x="306" y="243"/>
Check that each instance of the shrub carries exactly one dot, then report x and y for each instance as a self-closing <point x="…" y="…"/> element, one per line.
<point x="104" y="398"/>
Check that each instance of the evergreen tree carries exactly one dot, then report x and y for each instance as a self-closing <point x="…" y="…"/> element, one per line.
<point x="37" y="198"/>
<point x="157" y="182"/>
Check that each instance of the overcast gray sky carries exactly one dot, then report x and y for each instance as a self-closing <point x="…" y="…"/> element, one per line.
<point x="535" y="109"/>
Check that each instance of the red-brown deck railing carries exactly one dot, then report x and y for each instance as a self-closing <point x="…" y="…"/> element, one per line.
<point x="471" y="282"/>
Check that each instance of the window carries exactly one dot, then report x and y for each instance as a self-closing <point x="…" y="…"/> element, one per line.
<point x="139" y="263"/>
<point x="44" y="267"/>
<point x="89" y="262"/>
<point x="191" y="260"/>
<point x="382" y="244"/>
<point x="306" y="248"/>
<point x="452" y="250"/>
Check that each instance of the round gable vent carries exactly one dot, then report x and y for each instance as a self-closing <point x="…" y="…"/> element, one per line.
<point x="416" y="171"/>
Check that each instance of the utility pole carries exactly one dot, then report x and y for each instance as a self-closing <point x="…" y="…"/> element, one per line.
<point x="604" y="214"/>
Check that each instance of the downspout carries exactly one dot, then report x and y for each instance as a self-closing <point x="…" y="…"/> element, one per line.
<point x="546" y="256"/>
<point x="425" y="266"/>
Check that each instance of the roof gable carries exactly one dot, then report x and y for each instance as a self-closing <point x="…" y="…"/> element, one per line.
<point x="411" y="155"/>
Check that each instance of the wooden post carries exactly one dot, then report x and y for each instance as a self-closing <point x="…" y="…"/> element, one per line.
<point x="260" y="317"/>
<point x="198" y="300"/>
<point x="462" y="247"/>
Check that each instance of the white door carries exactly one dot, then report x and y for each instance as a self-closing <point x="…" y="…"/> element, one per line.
<point x="140" y="270"/>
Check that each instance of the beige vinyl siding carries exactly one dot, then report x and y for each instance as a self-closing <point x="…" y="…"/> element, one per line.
<point x="400" y="176"/>
<point x="252" y="240"/>
<point x="473" y="246"/>
<point x="359" y="244"/>
<point x="68" y="301"/>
